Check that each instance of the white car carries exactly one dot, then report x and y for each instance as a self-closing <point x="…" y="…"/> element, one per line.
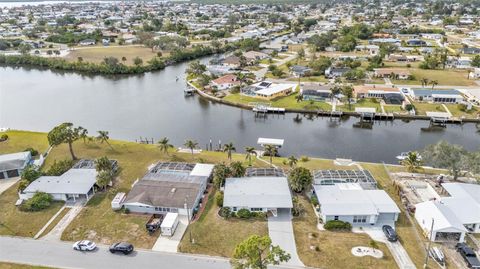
<point x="84" y="245"/>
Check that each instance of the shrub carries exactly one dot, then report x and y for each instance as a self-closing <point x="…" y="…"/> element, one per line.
<point x="33" y="151"/>
<point x="126" y="211"/>
<point x="409" y="107"/>
<point x="4" y="137"/>
<point x="39" y="201"/>
<point x="314" y="200"/>
<point x="300" y="179"/>
<point x="225" y="212"/>
<point x="337" y="225"/>
<point x="58" y="168"/>
<point x="219" y="199"/>
<point x="304" y="159"/>
<point x="30" y="173"/>
<point x="23" y="184"/>
<point x="244" y="213"/>
<point x="462" y="107"/>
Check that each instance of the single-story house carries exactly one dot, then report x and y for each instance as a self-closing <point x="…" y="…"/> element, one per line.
<point x="232" y="61"/>
<point x="470" y="50"/>
<point x="268" y="90"/>
<point x="87" y="42"/>
<point x="371" y="49"/>
<point x="374" y="91"/>
<point x="77" y="183"/>
<point x="465" y="203"/>
<point x="348" y="202"/>
<point x="225" y="82"/>
<point x="315" y="92"/>
<point x="170" y="187"/>
<point x="299" y="70"/>
<point x="393" y="73"/>
<point x="334" y="72"/>
<point x="416" y="43"/>
<point x="257" y="194"/>
<point x="437" y="96"/>
<point x="255" y="55"/>
<point x="12" y="165"/>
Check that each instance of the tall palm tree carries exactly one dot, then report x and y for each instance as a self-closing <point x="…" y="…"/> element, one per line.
<point x="292" y="161"/>
<point x="335" y="91"/>
<point x="348" y="92"/>
<point x="104" y="137"/>
<point x="433" y="83"/>
<point x="424" y="82"/>
<point x="164" y="145"/>
<point x="250" y="152"/>
<point x="298" y="98"/>
<point x="412" y="162"/>
<point x="228" y="148"/>
<point x="84" y="135"/>
<point x="191" y="144"/>
<point x="271" y="151"/>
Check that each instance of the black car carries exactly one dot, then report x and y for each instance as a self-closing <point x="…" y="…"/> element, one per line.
<point x="124" y="247"/>
<point x="468" y="255"/>
<point x="390" y="233"/>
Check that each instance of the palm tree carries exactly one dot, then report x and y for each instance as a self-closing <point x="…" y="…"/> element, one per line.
<point x="292" y="161"/>
<point x="348" y="92"/>
<point x="299" y="98"/>
<point x="164" y="145"/>
<point x="424" y="82"/>
<point x="412" y="162"/>
<point x="228" y="148"/>
<point x="335" y="91"/>
<point x="103" y="137"/>
<point x="250" y="151"/>
<point x="84" y="135"/>
<point x="433" y="83"/>
<point x="271" y="151"/>
<point x="191" y="144"/>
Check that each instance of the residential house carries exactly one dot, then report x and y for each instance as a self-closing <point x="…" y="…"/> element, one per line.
<point x="87" y="42"/>
<point x="393" y="73"/>
<point x="334" y="72"/>
<point x="268" y="90"/>
<point x="300" y="71"/>
<point x="470" y="50"/>
<point x="416" y="43"/>
<point x="315" y="92"/>
<point x="225" y="82"/>
<point x="437" y="96"/>
<point x="12" y="165"/>
<point x="253" y="56"/>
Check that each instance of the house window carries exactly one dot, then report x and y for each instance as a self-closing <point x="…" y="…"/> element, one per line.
<point x="255" y="209"/>
<point x="335" y="217"/>
<point x="234" y="209"/>
<point x="359" y="219"/>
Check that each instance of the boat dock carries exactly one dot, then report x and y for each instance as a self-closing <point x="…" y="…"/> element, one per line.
<point x="261" y="109"/>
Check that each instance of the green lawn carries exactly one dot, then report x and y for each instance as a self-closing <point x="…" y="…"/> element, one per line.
<point x="361" y="103"/>
<point x="216" y="236"/>
<point x="456" y="112"/>
<point x="422" y="108"/>
<point x="285" y="102"/>
<point x="20" y="140"/>
<point x="393" y="108"/>
<point x="6" y="265"/>
<point x="443" y="77"/>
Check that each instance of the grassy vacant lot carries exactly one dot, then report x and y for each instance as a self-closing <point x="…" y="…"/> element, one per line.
<point x="393" y="108"/>
<point x="216" y="236"/>
<point x="456" y="112"/>
<point x="422" y="108"/>
<point x="361" y="103"/>
<point x="97" y="54"/>
<point x="333" y="247"/>
<point x="5" y="265"/>
<point x="20" y="140"/>
<point x="285" y="102"/>
<point x="443" y="77"/>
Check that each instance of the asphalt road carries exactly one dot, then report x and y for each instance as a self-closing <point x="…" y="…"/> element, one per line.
<point x="61" y="255"/>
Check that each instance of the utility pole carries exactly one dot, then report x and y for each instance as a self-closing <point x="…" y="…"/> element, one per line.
<point x="428" y="245"/>
<point x="188" y="218"/>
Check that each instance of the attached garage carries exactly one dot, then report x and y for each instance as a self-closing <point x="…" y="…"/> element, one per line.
<point x="12" y="165"/>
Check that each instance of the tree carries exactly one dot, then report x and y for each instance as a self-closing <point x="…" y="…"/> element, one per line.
<point x="347" y="91"/>
<point x="196" y="68"/>
<point x="237" y="169"/>
<point x="300" y="179"/>
<point x="476" y="61"/>
<point x="301" y="53"/>
<point x="65" y="133"/>
<point x="228" y="148"/>
<point x="103" y="137"/>
<point x="39" y="201"/>
<point x="433" y="83"/>
<point x="30" y="173"/>
<point x="84" y="135"/>
<point x="250" y="152"/>
<point x="424" y="82"/>
<point x="292" y="161"/>
<point x="191" y="144"/>
<point x="103" y="179"/>
<point x="257" y="252"/>
<point x="137" y="61"/>
<point x="164" y="145"/>
<point x="24" y="48"/>
<point x="447" y="156"/>
<point x="412" y="162"/>
<point x="105" y="171"/>
<point x="298" y="98"/>
<point x="220" y="173"/>
<point x="271" y="151"/>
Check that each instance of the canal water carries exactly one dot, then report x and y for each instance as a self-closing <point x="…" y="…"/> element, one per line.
<point x="152" y="105"/>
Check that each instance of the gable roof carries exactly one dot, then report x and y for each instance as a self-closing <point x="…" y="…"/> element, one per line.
<point x="260" y="192"/>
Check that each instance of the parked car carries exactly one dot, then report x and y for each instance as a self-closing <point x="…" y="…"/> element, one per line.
<point x="84" y="245"/>
<point x="390" y="233"/>
<point x="468" y="255"/>
<point x="124" y="247"/>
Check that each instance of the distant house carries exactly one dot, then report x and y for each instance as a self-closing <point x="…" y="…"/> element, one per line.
<point x="12" y="165"/>
<point x="334" y="72"/>
<point x="225" y="82"/>
<point x="232" y="61"/>
<point x="437" y="96"/>
<point x="371" y="49"/>
<point x="393" y="73"/>
<point x="348" y="202"/>
<point x="373" y="91"/>
<point x="416" y="43"/>
<point x="315" y="92"/>
<point x="300" y="71"/>
<point x="87" y="42"/>
<point x="257" y="194"/>
<point x="169" y="187"/>
<point x="470" y="50"/>
<point x="255" y="55"/>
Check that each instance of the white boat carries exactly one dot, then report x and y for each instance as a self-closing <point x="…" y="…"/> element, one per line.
<point x="404" y="155"/>
<point x="438" y="256"/>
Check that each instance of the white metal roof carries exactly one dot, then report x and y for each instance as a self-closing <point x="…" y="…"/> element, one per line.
<point x="270" y="141"/>
<point x="169" y="220"/>
<point x="276" y="88"/>
<point x="202" y="170"/>
<point x="350" y="199"/>
<point x="14" y="160"/>
<point x="445" y="219"/>
<point x="365" y="109"/>
<point x="257" y="192"/>
<point x="464" y="201"/>
<point x="74" y="181"/>
<point x="438" y="114"/>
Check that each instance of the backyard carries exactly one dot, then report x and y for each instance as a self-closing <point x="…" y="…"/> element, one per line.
<point x="288" y="102"/>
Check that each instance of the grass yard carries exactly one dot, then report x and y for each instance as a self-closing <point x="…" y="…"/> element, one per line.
<point x="97" y="54"/>
<point x="216" y="236"/>
<point x="6" y="265"/>
<point x="393" y="109"/>
<point x="333" y="247"/>
<point x="310" y="79"/>
<point x="19" y="223"/>
<point x="422" y="108"/>
<point x="361" y="103"/>
<point x="20" y="140"/>
<point x="285" y="102"/>
<point x="443" y="77"/>
<point x="456" y="112"/>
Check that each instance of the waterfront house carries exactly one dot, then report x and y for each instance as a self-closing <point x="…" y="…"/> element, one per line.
<point x="170" y="187"/>
<point x="253" y="56"/>
<point x="225" y="82"/>
<point x="12" y="165"/>
<point x="437" y="96"/>
<point x="374" y="91"/>
<point x="231" y="61"/>
<point x="269" y="90"/>
<point x="315" y="92"/>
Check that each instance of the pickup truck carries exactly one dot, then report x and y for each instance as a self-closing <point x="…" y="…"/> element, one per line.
<point x="468" y="255"/>
<point x="153" y="224"/>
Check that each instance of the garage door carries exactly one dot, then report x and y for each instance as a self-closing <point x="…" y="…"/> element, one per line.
<point x="12" y="173"/>
<point x="2" y="175"/>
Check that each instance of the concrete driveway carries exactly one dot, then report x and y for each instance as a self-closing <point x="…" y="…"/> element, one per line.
<point x="170" y="244"/>
<point x="398" y="252"/>
<point x="56" y="233"/>
<point x="5" y="184"/>
<point x="280" y="230"/>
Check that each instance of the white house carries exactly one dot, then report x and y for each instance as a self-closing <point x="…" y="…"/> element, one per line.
<point x="257" y="194"/>
<point x="12" y="165"/>
<point x="348" y="202"/>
